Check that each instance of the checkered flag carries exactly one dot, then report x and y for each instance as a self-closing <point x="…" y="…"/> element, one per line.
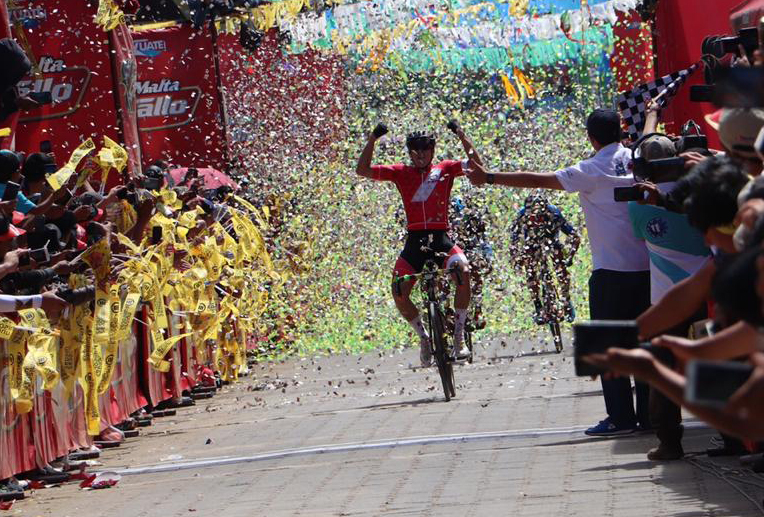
<point x="634" y="103"/>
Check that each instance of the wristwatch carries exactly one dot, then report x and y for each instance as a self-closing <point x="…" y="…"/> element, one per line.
<point x="490" y="178"/>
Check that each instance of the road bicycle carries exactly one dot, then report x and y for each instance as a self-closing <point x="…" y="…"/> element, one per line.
<point x="442" y="349"/>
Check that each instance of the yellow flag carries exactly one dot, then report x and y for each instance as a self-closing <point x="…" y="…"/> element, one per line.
<point x="59" y="178"/>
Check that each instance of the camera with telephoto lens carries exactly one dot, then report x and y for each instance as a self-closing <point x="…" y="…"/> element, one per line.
<point x="719" y="46"/>
<point x="77" y="296"/>
<point x="730" y="86"/>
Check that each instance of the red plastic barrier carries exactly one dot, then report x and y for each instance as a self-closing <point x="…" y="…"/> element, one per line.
<point x="179" y="114"/>
<point x="74" y="57"/>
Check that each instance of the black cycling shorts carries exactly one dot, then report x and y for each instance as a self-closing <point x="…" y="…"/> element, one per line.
<point x="424" y="245"/>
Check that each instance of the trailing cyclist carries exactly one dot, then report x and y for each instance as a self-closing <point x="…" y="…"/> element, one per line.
<point x="425" y="190"/>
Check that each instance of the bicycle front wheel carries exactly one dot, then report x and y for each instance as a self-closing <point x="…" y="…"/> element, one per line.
<point x="437" y="330"/>
<point x="468" y="342"/>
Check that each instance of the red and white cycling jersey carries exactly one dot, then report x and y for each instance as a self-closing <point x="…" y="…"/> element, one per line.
<point x="426" y="196"/>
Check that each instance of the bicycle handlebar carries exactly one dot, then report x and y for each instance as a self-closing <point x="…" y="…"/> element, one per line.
<point x="405" y="278"/>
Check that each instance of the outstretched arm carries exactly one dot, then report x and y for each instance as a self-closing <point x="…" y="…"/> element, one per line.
<point x="363" y="168"/>
<point x="646" y="367"/>
<point x="678" y="304"/>
<point x="735" y="341"/>
<point x="479" y="176"/>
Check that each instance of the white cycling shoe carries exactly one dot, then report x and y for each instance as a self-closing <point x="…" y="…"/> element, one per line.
<point x="462" y="352"/>
<point x="425" y="353"/>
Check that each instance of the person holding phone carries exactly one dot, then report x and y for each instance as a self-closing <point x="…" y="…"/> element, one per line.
<point x="619" y="259"/>
<point x="36" y="168"/>
<point x="10" y="171"/>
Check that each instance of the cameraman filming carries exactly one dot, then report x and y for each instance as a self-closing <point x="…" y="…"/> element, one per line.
<point x="677" y="251"/>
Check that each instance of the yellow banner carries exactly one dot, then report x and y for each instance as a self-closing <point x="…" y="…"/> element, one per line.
<point x="59" y="178"/>
<point x="161" y="349"/>
<point x="112" y="344"/>
<point x="88" y="382"/>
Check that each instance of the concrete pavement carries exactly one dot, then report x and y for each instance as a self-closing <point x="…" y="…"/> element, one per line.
<point x="370" y="435"/>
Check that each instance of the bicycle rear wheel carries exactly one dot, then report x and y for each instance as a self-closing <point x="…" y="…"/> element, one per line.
<point x="557" y="335"/>
<point x="468" y="342"/>
<point x="437" y="334"/>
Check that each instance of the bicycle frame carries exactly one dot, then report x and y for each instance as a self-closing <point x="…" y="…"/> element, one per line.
<point x="436" y="321"/>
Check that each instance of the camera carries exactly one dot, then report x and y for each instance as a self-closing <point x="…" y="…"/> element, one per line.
<point x="719" y="46"/>
<point x="77" y="296"/>
<point x="688" y="140"/>
<point x="730" y="86"/>
<point x="153" y="178"/>
<point x="668" y="167"/>
<point x="663" y="170"/>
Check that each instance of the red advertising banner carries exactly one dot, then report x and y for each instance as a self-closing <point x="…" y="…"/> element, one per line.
<point x="632" y="58"/>
<point x="179" y="116"/>
<point x="73" y="56"/>
<point x="680" y="27"/>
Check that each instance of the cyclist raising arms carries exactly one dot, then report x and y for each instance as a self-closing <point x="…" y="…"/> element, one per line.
<point x="425" y="189"/>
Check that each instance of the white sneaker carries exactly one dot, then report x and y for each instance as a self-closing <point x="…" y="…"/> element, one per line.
<point x="425" y="353"/>
<point x="462" y="352"/>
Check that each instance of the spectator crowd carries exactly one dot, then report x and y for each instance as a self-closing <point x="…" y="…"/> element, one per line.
<point x="93" y="264"/>
<point x="123" y="295"/>
<point x="681" y="264"/>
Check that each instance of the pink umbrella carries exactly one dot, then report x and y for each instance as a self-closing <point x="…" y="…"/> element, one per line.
<point x="213" y="178"/>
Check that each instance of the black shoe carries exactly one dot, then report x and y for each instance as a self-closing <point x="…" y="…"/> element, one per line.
<point x="11" y="491"/>
<point x="666" y="452"/>
<point x="758" y="466"/>
<point x="84" y="455"/>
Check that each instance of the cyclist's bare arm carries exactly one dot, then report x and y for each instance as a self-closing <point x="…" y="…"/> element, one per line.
<point x="469" y="148"/>
<point x="363" y="168"/>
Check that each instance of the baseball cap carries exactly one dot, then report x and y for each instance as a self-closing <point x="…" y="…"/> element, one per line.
<point x="738" y="129"/>
<point x="9" y="162"/>
<point x="657" y="147"/>
<point x="604" y="125"/>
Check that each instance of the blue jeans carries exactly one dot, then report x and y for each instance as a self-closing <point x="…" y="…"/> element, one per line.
<point x="621" y="295"/>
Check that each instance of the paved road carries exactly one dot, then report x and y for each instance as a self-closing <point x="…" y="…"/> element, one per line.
<point x="370" y="435"/>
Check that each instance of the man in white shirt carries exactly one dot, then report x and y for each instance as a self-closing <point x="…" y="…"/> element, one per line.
<point x="619" y="287"/>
